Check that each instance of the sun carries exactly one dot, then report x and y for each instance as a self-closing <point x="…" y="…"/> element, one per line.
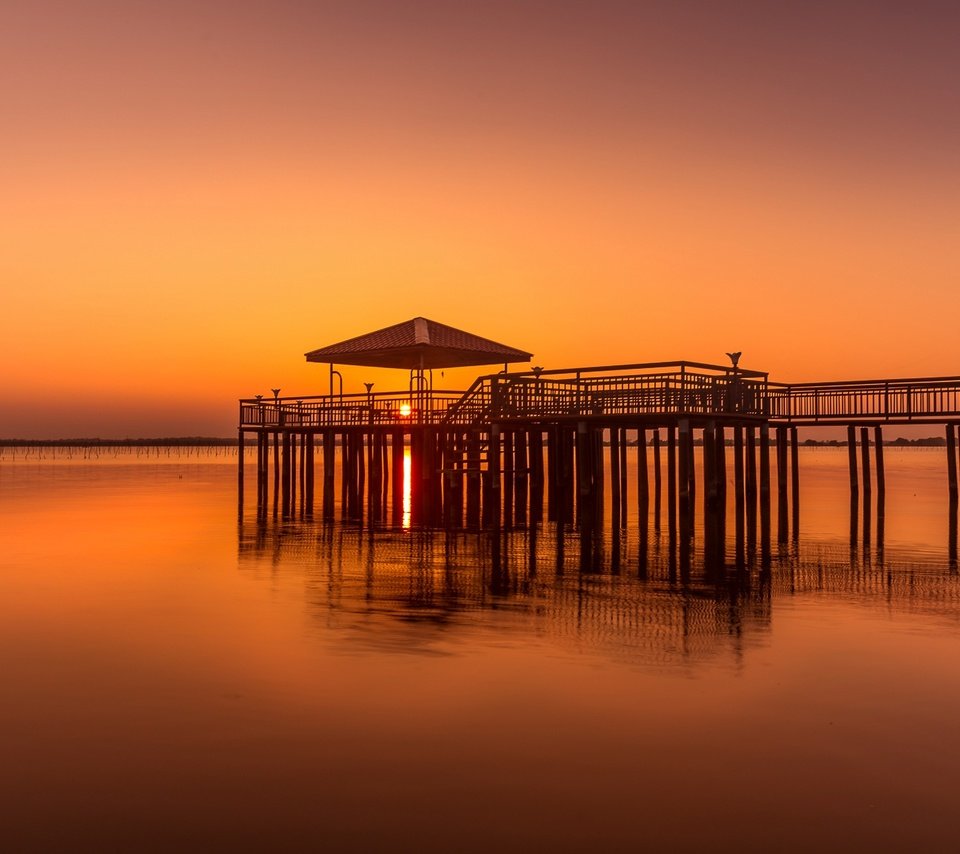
<point x="405" y="410"/>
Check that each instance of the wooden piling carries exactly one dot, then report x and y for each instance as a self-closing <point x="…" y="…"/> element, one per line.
<point x="643" y="487"/>
<point x="508" y="477"/>
<point x="624" y="489"/>
<point x="399" y="484"/>
<point x="684" y="448"/>
<point x="782" y="508"/>
<point x="329" y="472"/>
<point x="585" y="509"/>
<point x="710" y="491"/>
<point x="951" y="431"/>
<point x="865" y="461"/>
<point x="852" y="459"/>
<point x="276" y="472"/>
<point x="657" y="481"/>
<point x="285" y="476"/>
<point x="241" y="440"/>
<point x="615" y="476"/>
<point x="765" y="491"/>
<point x="520" y="475"/>
<point x="739" y="517"/>
<point x="720" y="435"/>
<point x="473" y="479"/>
<point x="311" y="472"/>
<point x="672" y="481"/>
<point x="750" y="485"/>
<point x="345" y="458"/>
<point x="878" y="459"/>
<point x="536" y="476"/>
<point x="493" y="473"/>
<point x="795" y="481"/>
<point x="303" y="474"/>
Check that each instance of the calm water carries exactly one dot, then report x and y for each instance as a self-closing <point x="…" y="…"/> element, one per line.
<point x="176" y="681"/>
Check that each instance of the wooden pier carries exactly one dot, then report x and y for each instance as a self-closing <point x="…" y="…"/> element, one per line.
<point x="517" y="448"/>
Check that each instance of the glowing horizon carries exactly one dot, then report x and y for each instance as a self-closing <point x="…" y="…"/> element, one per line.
<point x="195" y="196"/>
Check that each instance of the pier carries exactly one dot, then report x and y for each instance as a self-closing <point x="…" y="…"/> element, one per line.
<point x="520" y="447"/>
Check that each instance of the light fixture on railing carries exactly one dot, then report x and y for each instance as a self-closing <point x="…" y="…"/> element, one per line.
<point x="735" y="358"/>
<point x="259" y="399"/>
<point x="276" y="394"/>
<point x="537" y="370"/>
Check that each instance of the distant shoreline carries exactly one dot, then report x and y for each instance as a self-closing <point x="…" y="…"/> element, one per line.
<point x="168" y="442"/>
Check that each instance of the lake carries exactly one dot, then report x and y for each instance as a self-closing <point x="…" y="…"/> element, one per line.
<point x="176" y="679"/>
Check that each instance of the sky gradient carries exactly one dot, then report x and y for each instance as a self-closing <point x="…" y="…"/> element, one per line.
<point x="195" y="194"/>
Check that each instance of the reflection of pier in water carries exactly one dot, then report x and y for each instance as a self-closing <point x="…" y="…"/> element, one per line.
<point x="410" y="592"/>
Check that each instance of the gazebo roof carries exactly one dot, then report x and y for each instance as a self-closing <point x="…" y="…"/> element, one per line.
<point x="418" y="343"/>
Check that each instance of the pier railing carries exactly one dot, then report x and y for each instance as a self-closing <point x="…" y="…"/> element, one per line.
<point x="620" y="390"/>
<point x="347" y="410"/>
<point x="916" y="399"/>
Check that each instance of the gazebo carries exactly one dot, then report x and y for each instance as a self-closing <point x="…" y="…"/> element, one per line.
<point x="418" y="346"/>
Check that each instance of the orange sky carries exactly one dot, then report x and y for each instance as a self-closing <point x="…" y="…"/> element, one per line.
<point x="196" y="193"/>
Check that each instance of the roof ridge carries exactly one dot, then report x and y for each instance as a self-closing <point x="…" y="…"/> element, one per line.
<point x="421" y="330"/>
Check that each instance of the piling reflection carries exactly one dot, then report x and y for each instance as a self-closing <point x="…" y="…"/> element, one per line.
<point x="651" y="601"/>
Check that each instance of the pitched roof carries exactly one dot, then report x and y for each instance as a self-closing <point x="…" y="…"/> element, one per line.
<point x="418" y="343"/>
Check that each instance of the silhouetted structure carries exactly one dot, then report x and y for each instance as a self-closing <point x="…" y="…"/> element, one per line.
<point x="516" y="445"/>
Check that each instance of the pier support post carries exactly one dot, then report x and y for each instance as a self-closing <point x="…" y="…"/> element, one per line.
<point x="721" y="477"/>
<point x="865" y="464"/>
<point x="657" y="482"/>
<point x="508" y="477"/>
<point x="585" y="499"/>
<point x="782" y="509"/>
<point x="240" y="441"/>
<point x="672" y="482"/>
<point x="614" y="476"/>
<point x="624" y="489"/>
<point x="951" y="431"/>
<point x="310" y="463"/>
<point x="878" y="456"/>
<point x="795" y="481"/>
<point x="643" y="488"/>
<point x="739" y="518"/>
<point x="329" y="472"/>
<point x="285" y="476"/>
<point x="520" y="474"/>
<point x="399" y="484"/>
<point x="276" y="473"/>
<point x="750" y="486"/>
<point x="710" y="494"/>
<point x="765" y="492"/>
<point x="535" y="452"/>
<point x="473" y="479"/>
<point x="852" y="460"/>
<point x="493" y="473"/>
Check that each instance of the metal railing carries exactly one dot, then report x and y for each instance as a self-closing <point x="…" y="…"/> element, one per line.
<point x="619" y="390"/>
<point x="867" y="400"/>
<point x="397" y="408"/>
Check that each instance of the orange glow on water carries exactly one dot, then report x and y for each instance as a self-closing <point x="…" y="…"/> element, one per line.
<point x="407" y="487"/>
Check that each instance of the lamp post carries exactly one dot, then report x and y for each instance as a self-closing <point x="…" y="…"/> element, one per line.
<point x="370" y="400"/>
<point x="537" y="370"/>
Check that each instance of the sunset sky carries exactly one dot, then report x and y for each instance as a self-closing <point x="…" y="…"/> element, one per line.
<point x="196" y="193"/>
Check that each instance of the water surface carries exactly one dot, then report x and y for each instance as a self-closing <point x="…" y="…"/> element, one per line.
<point x="176" y="680"/>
